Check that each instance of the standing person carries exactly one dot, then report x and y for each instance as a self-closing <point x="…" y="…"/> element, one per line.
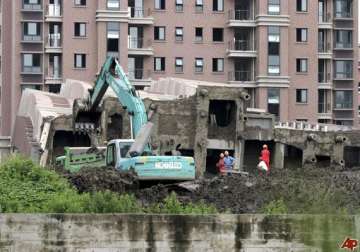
<point x="228" y="162"/>
<point x="220" y="165"/>
<point x="265" y="156"/>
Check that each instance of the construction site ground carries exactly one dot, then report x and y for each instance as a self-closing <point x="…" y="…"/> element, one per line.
<point x="308" y="190"/>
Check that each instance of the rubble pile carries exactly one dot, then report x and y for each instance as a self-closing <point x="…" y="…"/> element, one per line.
<point x="302" y="190"/>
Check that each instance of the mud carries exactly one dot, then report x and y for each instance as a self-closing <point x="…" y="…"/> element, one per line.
<point x="303" y="190"/>
<point x="103" y="178"/>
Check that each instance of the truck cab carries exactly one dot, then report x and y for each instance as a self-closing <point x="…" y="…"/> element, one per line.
<point x="157" y="168"/>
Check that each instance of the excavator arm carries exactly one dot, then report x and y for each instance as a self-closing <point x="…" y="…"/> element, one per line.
<point x="86" y="112"/>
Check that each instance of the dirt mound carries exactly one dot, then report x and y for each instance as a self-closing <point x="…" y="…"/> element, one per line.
<point x="103" y="178"/>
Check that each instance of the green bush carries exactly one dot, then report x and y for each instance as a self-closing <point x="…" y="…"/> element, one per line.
<point x="29" y="188"/>
<point x="275" y="207"/>
<point x="172" y="205"/>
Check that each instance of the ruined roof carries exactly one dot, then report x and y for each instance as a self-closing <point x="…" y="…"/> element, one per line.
<point x="181" y="88"/>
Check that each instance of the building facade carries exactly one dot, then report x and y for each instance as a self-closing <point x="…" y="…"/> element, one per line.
<point x="297" y="59"/>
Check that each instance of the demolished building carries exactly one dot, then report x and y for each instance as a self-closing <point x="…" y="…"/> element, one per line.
<point x="197" y="118"/>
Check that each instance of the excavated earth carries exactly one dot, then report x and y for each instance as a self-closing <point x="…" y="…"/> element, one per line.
<point x="238" y="193"/>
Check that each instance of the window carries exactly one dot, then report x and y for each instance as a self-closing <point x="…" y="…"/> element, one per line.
<point x="343" y="69"/>
<point x="343" y="8"/>
<point x="343" y="39"/>
<point x="80" y="30"/>
<point x="199" y="5"/>
<point x="55" y="88"/>
<point x="199" y="65"/>
<point x="218" y="34"/>
<point x="343" y="99"/>
<point x="301" y="5"/>
<point x="31" y="31"/>
<point x="32" y="4"/>
<point x="301" y="65"/>
<point x="274" y="7"/>
<point x="160" y="4"/>
<point x="80" y="2"/>
<point x="218" y="65"/>
<point x="218" y="5"/>
<point x="301" y="95"/>
<point x="113" y="4"/>
<point x="179" y="5"/>
<point x="113" y="36"/>
<point x="179" y="34"/>
<point x="159" y="64"/>
<point x="273" y="101"/>
<point x="31" y="63"/>
<point x="301" y="34"/>
<point x="274" y="50"/>
<point x="179" y="65"/>
<point x="110" y="155"/>
<point x="159" y="33"/>
<point x="80" y="60"/>
<point x="198" y="34"/>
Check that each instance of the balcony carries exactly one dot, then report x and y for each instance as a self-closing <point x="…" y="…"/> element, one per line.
<point x="139" y="77"/>
<point x="343" y="76"/>
<point x="324" y="111"/>
<point x="31" y="7"/>
<point x="54" y="75"/>
<point x="324" y="80"/>
<point x="31" y="39"/>
<point x="343" y="46"/>
<point x="53" y="13"/>
<point x="54" y="43"/>
<point x="33" y="70"/>
<point x="138" y="46"/>
<point x="241" y="18"/>
<point x="324" y="21"/>
<point x="324" y="50"/>
<point x="140" y="16"/>
<point x="241" y="48"/>
<point x="241" y="77"/>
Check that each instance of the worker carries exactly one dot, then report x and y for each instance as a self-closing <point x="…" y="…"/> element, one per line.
<point x="228" y="162"/>
<point x="220" y="165"/>
<point x="265" y="156"/>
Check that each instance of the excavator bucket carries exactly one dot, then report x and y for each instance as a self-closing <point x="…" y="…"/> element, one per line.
<point x="85" y="120"/>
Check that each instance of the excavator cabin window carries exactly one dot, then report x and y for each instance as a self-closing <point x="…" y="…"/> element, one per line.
<point x="110" y="155"/>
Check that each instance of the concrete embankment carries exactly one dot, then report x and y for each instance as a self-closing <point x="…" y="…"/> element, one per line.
<point x="245" y="233"/>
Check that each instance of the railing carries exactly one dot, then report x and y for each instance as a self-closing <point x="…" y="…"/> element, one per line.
<point x="32" y="38"/>
<point x="240" y="76"/>
<point x="323" y="77"/>
<point x="54" y="10"/>
<point x="343" y="105"/>
<point x="324" y="108"/>
<point x="324" y="47"/>
<point x="241" y="45"/>
<point x="31" y="69"/>
<point x="343" y="14"/>
<point x="32" y="7"/>
<point x="345" y="45"/>
<point x="138" y="43"/>
<point x="138" y="74"/>
<point x="345" y="75"/>
<point x="54" y="40"/>
<point x="136" y="12"/>
<point x="54" y="73"/>
<point x="112" y="54"/>
<point x="241" y="15"/>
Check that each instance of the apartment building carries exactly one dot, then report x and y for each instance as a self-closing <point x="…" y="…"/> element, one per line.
<point x="298" y="58"/>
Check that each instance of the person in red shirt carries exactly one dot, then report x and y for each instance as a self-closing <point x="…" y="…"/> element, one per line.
<point x="265" y="156"/>
<point x="220" y="165"/>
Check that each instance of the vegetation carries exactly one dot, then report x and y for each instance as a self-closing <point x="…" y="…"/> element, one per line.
<point x="28" y="188"/>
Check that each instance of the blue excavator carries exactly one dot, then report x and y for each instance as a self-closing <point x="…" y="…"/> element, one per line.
<point x="123" y="154"/>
